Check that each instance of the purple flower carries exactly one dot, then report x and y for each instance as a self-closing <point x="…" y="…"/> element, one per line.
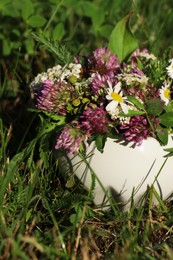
<point x="94" y="120"/>
<point x="138" y="129"/>
<point x="54" y="97"/>
<point x="99" y="83"/>
<point x="138" y="71"/>
<point x="144" y="94"/>
<point x="144" y="53"/>
<point x="71" y="139"/>
<point x="89" y="93"/>
<point x="103" y="61"/>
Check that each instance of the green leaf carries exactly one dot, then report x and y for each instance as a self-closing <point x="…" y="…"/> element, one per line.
<point x="75" y="218"/>
<point x="122" y="42"/>
<point x="27" y="10"/>
<point x="167" y="119"/>
<point x="100" y="142"/>
<point x="58" y="32"/>
<point x="29" y="44"/>
<point x="60" y="120"/>
<point x="15" y="32"/>
<point x="170" y="150"/>
<point x="72" y="3"/>
<point x="140" y="65"/>
<point x="169" y="107"/>
<point x="11" y="11"/>
<point x="94" y="11"/>
<point x="154" y="106"/>
<point x="36" y="21"/>
<point x="105" y="30"/>
<point x="13" y="166"/>
<point x="43" y="151"/>
<point x="70" y="182"/>
<point x="132" y="113"/>
<point x="136" y="102"/>
<point x="6" y="47"/>
<point x="2" y="36"/>
<point x="60" y="50"/>
<point x="46" y="128"/>
<point x="28" y="214"/>
<point x="162" y="134"/>
<point x="3" y="3"/>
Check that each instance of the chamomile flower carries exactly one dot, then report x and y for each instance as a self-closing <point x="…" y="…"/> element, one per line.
<point x="165" y="93"/>
<point x="115" y="94"/>
<point x="170" y="69"/>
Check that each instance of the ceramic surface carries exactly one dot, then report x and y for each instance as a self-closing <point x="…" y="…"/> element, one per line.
<point x="122" y="169"/>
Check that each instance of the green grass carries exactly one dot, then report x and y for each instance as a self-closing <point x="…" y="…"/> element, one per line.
<point x="40" y="218"/>
<point x="45" y="214"/>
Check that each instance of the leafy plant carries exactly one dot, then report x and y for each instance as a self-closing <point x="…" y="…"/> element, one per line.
<point x="59" y="50"/>
<point x="122" y="42"/>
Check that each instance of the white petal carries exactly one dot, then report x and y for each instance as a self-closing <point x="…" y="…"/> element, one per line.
<point x="108" y="97"/>
<point x="112" y="106"/>
<point x="110" y="89"/>
<point x="121" y="93"/>
<point x="124" y="107"/>
<point x="117" y="87"/>
<point x="109" y="84"/>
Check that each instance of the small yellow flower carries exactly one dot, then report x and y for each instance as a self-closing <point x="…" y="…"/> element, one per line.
<point x="76" y="102"/>
<point x="72" y="79"/>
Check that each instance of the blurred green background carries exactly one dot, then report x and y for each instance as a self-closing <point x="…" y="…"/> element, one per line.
<point x="84" y="24"/>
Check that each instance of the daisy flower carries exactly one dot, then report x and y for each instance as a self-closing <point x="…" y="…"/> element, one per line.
<point x="170" y="69"/>
<point x="165" y="93"/>
<point x="115" y="94"/>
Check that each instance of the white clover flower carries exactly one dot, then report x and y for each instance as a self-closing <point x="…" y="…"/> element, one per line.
<point x="58" y="73"/>
<point x="131" y="78"/>
<point x="75" y="69"/>
<point x="144" y="53"/>
<point x="170" y="69"/>
<point x="53" y="73"/>
<point x="122" y="119"/>
<point x="148" y="56"/>
<point x="55" y="69"/>
<point x="165" y="93"/>
<point x="39" y="78"/>
<point x="115" y="94"/>
<point x="70" y="70"/>
<point x="65" y="73"/>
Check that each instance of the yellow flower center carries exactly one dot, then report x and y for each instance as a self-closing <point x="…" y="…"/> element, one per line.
<point x="116" y="97"/>
<point x="167" y="93"/>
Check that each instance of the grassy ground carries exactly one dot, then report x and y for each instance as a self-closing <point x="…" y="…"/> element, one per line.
<point x="42" y="217"/>
<point x="44" y="214"/>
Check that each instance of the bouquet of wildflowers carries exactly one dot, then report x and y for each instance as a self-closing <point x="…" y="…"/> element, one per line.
<point x="99" y="97"/>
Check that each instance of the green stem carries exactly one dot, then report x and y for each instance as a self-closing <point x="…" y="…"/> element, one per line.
<point x="53" y="15"/>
